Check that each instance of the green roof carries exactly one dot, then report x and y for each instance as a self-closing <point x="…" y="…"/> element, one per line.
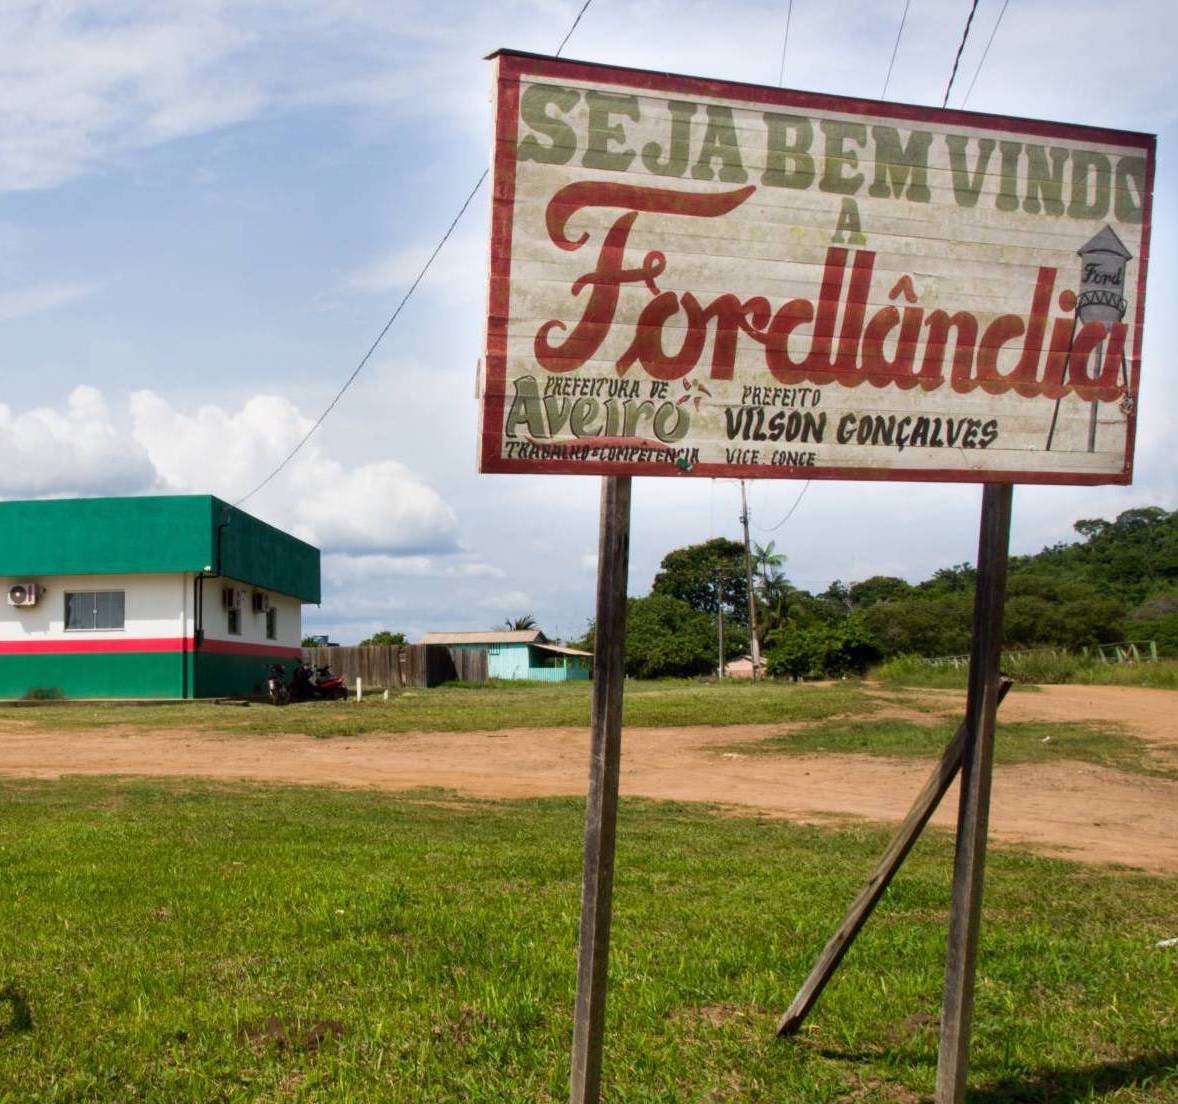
<point x="153" y="535"/>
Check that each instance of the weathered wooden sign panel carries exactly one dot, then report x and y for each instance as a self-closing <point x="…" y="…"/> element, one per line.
<point x="691" y="276"/>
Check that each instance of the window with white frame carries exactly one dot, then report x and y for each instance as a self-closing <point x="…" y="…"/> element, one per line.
<point x="272" y="623"/>
<point x="92" y="610"/>
<point x="234" y="617"/>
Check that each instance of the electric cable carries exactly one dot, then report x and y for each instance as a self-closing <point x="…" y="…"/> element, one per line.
<point x="790" y="513"/>
<point x="985" y="52"/>
<point x="400" y="306"/>
<point x="789" y="11"/>
<point x="569" y="32"/>
<point x="372" y="348"/>
<point x="899" y="33"/>
<point x="957" y="59"/>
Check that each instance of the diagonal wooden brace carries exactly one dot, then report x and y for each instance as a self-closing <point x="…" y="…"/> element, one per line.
<point x="923" y="808"/>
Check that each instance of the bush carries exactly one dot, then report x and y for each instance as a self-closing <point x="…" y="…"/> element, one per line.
<point x="824" y="651"/>
<point x="44" y="693"/>
<point x="666" y="638"/>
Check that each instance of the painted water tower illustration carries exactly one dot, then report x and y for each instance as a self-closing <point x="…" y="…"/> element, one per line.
<point x="1102" y="279"/>
<point x="1103" y="259"/>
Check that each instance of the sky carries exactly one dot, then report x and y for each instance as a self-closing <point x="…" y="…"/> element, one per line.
<point x="209" y="210"/>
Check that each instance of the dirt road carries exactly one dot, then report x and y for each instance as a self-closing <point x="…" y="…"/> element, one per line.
<point x="1071" y="809"/>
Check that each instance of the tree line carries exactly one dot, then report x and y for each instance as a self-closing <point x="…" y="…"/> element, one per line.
<point x="1118" y="581"/>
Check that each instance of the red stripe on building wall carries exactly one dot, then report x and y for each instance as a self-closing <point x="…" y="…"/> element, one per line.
<point x="143" y="644"/>
<point x="235" y="647"/>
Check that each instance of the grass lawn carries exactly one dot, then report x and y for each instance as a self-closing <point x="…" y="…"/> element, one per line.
<point x="1025" y="742"/>
<point x="184" y="942"/>
<point x="480" y="708"/>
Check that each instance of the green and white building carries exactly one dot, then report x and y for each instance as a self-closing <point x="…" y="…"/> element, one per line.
<point x="179" y="596"/>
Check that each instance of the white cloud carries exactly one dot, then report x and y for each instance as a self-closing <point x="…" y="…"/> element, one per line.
<point x="515" y="601"/>
<point x="371" y="508"/>
<point x="85" y="82"/>
<point x="480" y="571"/>
<point x="214" y="450"/>
<point x="461" y="265"/>
<point x="75" y="451"/>
<point x="82" y="81"/>
<point x="381" y="507"/>
<point x="19" y="302"/>
<point x="377" y="507"/>
<point x="344" y="569"/>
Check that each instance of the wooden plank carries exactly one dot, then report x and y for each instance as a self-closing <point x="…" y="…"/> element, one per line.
<point x="974" y="808"/>
<point x="881" y="877"/>
<point x="613" y="559"/>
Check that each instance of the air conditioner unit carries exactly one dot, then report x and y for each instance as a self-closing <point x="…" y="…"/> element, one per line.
<point x="231" y="598"/>
<point x="261" y="601"/>
<point x="24" y="594"/>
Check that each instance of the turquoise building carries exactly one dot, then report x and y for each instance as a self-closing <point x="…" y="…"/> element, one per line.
<point x="520" y="654"/>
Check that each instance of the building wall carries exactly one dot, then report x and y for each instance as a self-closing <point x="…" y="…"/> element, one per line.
<point x="153" y="535"/>
<point x="154" y="654"/>
<point x="144" y="659"/>
<point x="231" y="666"/>
<point x="507" y="661"/>
<point x="522" y="661"/>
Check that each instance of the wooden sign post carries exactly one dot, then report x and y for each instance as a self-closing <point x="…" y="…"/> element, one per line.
<point x="613" y="559"/>
<point x="698" y="278"/>
<point x="973" y="818"/>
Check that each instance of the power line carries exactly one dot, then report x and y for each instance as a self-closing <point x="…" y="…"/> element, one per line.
<point x="789" y="12"/>
<point x="400" y="306"/>
<point x="569" y="32"/>
<point x="789" y="514"/>
<point x="957" y="59"/>
<point x="985" y="52"/>
<point x="372" y="348"/>
<point x="903" y="20"/>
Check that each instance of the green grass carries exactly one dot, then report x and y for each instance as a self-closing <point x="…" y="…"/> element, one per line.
<point x="1021" y="742"/>
<point x="1035" y="667"/>
<point x="480" y="708"/>
<point x="192" y="943"/>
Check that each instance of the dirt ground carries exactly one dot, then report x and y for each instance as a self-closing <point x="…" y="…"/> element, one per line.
<point x="1070" y="809"/>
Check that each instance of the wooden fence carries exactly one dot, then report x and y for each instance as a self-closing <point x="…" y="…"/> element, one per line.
<point x="1126" y="651"/>
<point x="392" y="666"/>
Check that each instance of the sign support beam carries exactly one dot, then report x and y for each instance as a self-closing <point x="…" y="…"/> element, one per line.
<point x="974" y="808"/>
<point x="613" y="559"/>
<point x="881" y="877"/>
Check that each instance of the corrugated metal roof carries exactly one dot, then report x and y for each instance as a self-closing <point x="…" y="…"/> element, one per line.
<point x="560" y="649"/>
<point x="490" y="636"/>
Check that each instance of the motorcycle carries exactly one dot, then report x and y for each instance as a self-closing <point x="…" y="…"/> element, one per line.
<point x="318" y="683"/>
<point x="276" y="688"/>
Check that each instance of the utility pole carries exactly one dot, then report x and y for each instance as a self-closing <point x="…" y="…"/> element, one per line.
<point x="720" y="616"/>
<point x="748" y="574"/>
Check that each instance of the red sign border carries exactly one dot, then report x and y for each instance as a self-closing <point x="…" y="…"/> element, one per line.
<point x="513" y="66"/>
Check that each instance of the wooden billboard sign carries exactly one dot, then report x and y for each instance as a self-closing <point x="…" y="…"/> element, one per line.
<point x="693" y="277"/>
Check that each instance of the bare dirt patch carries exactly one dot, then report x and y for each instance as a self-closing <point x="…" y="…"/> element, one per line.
<point x="1076" y="810"/>
<point x="1151" y="715"/>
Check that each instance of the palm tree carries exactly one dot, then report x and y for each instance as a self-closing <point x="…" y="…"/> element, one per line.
<point x="520" y="624"/>
<point x="768" y="563"/>
<point x="776" y="594"/>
